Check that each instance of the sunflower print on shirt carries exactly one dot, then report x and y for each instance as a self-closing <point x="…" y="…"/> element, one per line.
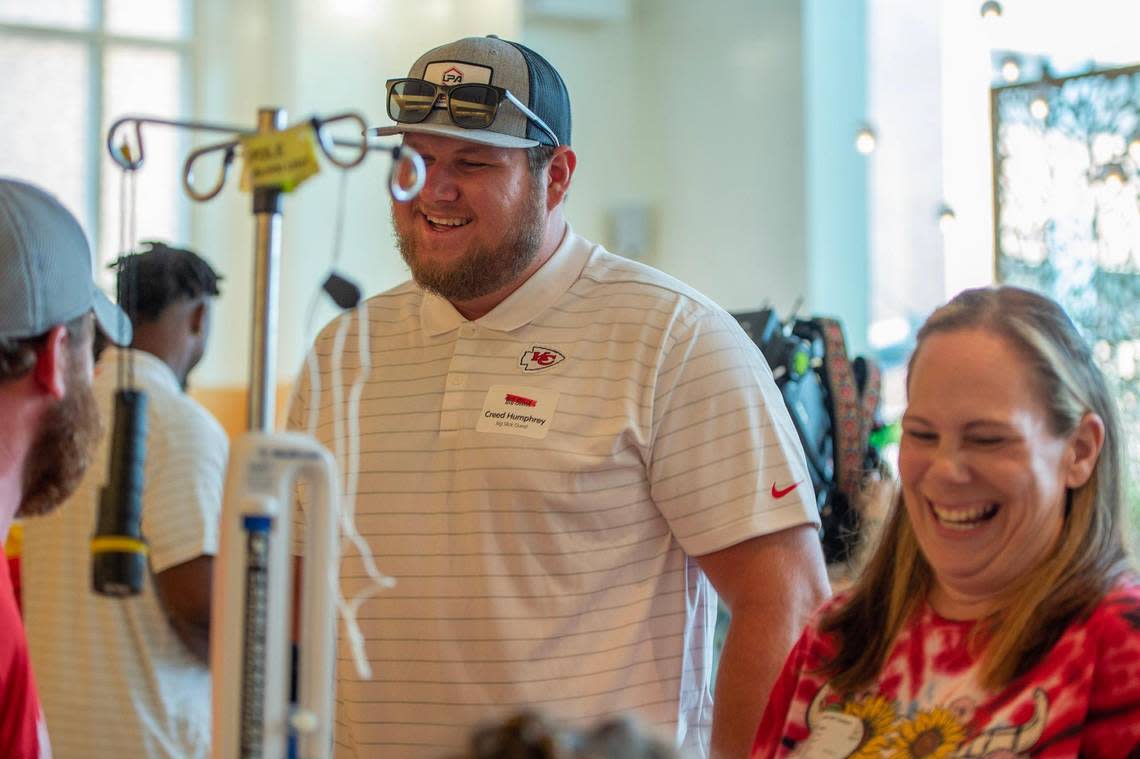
<point x="1081" y="699"/>
<point x="871" y="727"/>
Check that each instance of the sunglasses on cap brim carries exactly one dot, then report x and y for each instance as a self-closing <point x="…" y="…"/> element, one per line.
<point x="471" y="106"/>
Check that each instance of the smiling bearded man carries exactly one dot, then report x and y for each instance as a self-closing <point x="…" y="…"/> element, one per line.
<point x="565" y="455"/>
<point x="485" y="266"/>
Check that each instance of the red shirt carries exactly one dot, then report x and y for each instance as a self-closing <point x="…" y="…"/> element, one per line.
<point x="1082" y="699"/>
<point x="22" y="733"/>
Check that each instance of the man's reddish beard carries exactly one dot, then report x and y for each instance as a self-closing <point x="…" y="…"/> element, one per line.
<point x="484" y="269"/>
<point x="62" y="450"/>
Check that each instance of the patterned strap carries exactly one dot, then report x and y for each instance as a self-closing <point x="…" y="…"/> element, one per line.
<point x="850" y="424"/>
<point x="872" y="388"/>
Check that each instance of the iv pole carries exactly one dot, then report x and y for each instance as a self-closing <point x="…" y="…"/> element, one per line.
<point x="249" y="661"/>
<point x="267" y="252"/>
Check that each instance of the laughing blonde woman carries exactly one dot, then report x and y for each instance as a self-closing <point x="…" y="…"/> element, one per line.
<point x="999" y="615"/>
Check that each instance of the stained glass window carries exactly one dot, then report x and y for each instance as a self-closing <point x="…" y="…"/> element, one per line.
<point x="1067" y="199"/>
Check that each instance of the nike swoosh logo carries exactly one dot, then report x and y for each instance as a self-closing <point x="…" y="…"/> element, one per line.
<point x="776" y="493"/>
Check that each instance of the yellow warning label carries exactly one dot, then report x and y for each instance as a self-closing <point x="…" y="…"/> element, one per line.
<point x="281" y="160"/>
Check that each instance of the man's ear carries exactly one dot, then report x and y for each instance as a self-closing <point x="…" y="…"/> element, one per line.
<point x="50" y="372"/>
<point x="559" y="172"/>
<point x="198" y="318"/>
<point x="1084" y="449"/>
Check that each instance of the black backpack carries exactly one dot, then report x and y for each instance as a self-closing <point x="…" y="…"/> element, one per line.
<point x="834" y="405"/>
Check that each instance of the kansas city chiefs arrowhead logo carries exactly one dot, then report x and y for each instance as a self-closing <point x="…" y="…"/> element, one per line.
<point x="538" y="358"/>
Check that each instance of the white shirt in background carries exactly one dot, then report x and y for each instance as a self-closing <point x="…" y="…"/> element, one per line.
<point x="114" y="679"/>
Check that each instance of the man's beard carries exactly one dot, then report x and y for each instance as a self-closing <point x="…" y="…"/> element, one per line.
<point x="484" y="269"/>
<point x="62" y="450"/>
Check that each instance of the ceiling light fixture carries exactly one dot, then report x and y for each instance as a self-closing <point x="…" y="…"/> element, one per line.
<point x="866" y="140"/>
<point x="1113" y="177"/>
<point x="991" y="9"/>
<point x="946" y="218"/>
<point x="1010" y="69"/>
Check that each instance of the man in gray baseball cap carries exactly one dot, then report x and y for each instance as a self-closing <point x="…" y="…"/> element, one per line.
<point x="562" y="452"/>
<point x="45" y="279"/>
<point x="49" y="309"/>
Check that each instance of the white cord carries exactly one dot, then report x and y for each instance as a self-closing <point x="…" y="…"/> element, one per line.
<point x="380" y="581"/>
<point x="121" y="366"/>
<point x="126" y="286"/>
<point x="348" y="462"/>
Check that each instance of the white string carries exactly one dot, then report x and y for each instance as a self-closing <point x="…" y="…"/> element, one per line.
<point x="121" y="368"/>
<point x="132" y="281"/>
<point x="379" y="581"/>
<point x="338" y="230"/>
<point x="348" y="462"/>
<point x="126" y="286"/>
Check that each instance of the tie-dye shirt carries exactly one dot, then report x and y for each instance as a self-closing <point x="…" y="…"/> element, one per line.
<point x="1082" y="699"/>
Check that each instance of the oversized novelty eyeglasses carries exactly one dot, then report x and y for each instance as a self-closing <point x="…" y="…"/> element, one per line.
<point x="471" y="106"/>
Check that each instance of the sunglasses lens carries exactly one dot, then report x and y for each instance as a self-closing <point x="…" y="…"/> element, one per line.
<point x="473" y="106"/>
<point x="410" y="100"/>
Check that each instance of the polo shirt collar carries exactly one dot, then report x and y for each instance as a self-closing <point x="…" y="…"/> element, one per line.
<point x="146" y="365"/>
<point x="550" y="282"/>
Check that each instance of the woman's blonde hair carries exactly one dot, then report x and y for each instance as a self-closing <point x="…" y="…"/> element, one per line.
<point x="1090" y="554"/>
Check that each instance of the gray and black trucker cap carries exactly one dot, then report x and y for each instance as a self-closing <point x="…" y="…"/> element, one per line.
<point x="45" y="268"/>
<point x="514" y="67"/>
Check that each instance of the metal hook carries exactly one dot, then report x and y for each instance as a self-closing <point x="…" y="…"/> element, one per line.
<point x="404" y="158"/>
<point x="188" y="170"/>
<point x="134" y="164"/>
<point x="122" y="157"/>
<point x="327" y="142"/>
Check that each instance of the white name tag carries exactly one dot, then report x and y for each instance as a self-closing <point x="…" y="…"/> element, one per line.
<point x="833" y="736"/>
<point x="511" y="410"/>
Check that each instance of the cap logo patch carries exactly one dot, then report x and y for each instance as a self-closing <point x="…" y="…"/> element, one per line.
<point x="538" y="358"/>
<point x="457" y="72"/>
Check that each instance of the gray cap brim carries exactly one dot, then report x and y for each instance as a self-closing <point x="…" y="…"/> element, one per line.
<point x="481" y="136"/>
<point x="112" y="319"/>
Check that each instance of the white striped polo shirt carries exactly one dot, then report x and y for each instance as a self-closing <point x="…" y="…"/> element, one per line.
<point x="537" y="481"/>
<point x="114" y="678"/>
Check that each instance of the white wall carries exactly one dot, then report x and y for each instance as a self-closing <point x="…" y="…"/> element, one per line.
<point x="905" y="106"/>
<point x="695" y="110"/>
<point x="729" y="173"/>
<point x="966" y="158"/>
<point x="837" y="223"/>
<point x="598" y="62"/>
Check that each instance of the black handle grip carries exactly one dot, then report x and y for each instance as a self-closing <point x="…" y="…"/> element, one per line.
<point x="118" y="552"/>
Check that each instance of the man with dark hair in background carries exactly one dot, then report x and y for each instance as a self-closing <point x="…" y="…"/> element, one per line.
<point x="129" y="676"/>
<point x="47" y="299"/>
